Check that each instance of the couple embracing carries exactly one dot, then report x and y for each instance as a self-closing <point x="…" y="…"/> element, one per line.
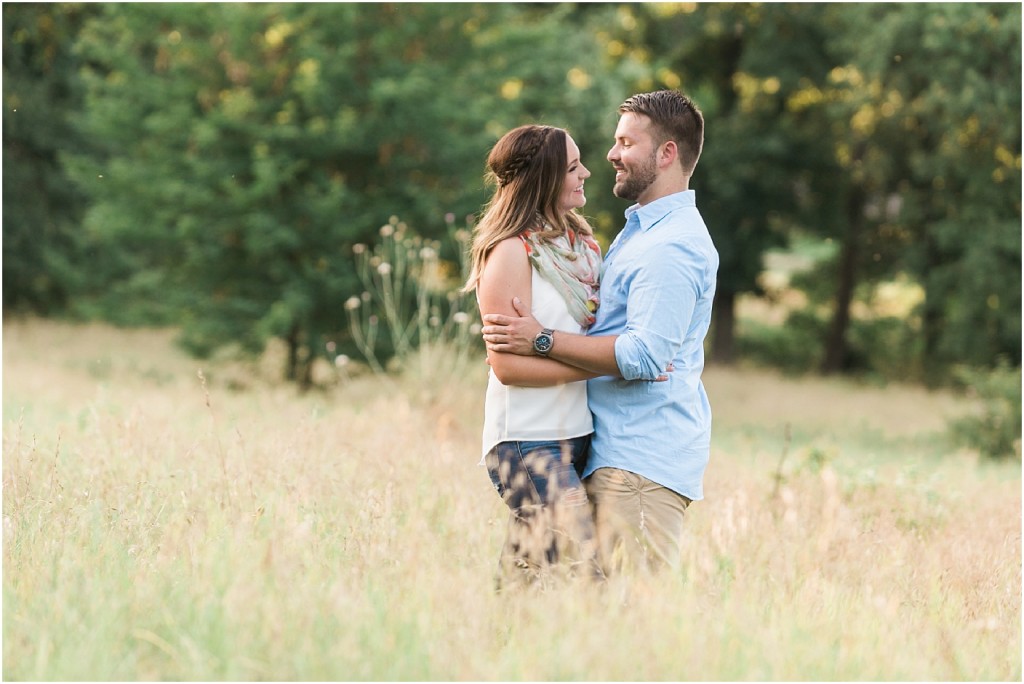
<point x="596" y="424"/>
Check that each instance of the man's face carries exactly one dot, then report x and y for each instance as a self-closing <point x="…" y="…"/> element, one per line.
<point x="633" y="157"/>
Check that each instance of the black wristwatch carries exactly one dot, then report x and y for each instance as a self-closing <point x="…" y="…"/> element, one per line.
<point x="543" y="341"/>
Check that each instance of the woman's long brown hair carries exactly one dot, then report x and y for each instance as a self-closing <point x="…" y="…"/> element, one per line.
<point x="528" y="165"/>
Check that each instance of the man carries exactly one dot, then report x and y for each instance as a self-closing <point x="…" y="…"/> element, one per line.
<point x="651" y="440"/>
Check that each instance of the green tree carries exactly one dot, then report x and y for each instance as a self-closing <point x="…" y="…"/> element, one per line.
<point x="966" y="208"/>
<point x="741" y="63"/>
<point x="927" y="136"/>
<point x="243" y="149"/>
<point x="42" y="252"/>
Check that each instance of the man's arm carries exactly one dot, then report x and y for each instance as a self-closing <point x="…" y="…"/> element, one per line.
<point x="661" y="302"/>
<point x="515" y="335"/>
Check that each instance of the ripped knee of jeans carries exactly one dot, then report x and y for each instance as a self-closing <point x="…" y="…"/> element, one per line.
<point x="573" y="496"/>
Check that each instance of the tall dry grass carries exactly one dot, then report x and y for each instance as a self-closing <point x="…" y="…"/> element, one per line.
<point x="159" y="525"/>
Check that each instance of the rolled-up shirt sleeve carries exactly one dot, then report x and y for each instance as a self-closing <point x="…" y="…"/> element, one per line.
<point x="659" y="310"/>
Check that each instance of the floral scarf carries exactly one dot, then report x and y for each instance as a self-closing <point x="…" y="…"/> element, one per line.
<point x="572" y="263"/>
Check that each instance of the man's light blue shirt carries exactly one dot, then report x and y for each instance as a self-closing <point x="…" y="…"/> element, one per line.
<point x="656" y="295"/>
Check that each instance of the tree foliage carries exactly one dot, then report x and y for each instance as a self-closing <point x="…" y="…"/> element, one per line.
<point x="42" y="209"/>
<point x="226" y="158"/>
<point x="742" y="63"/>
<point x="246" y="148"/>
<point x="931" y="163"/>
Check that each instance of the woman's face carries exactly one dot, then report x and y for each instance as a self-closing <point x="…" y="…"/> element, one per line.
<point x="572" y="196"/>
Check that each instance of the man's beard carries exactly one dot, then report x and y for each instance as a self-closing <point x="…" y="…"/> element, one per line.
<point x="637" y="180"/>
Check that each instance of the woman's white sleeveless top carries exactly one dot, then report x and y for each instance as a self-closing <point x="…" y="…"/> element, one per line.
<point x="538" y="413"/>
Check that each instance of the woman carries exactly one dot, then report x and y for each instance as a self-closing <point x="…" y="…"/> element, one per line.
<point x="532" y="243"/>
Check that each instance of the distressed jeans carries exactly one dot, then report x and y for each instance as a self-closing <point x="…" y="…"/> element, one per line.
<point x="550" y="527"/>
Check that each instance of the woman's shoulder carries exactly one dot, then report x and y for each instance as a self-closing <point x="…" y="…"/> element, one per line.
<point x="515" y="247"/>
<point x="508" y="256"/>
<point x="507" y="270"/>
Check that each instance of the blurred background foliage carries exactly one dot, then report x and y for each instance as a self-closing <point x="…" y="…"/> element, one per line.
<point x="211" y="166"/>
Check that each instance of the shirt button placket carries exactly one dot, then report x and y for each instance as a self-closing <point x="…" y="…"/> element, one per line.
<point x="631" y="227"/>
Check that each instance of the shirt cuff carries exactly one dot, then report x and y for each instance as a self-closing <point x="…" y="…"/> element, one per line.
<point x="633" y="359"/>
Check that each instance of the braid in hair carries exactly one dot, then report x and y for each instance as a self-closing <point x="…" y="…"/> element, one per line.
<point x="523" y="158"/>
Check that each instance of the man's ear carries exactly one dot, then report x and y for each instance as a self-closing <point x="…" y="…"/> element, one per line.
<point x="668" y="153"/>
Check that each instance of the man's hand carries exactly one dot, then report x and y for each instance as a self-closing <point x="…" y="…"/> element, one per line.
<point x="664" y="376"/>
<point x="510" y="334"/>
<point x="514" y="335"/>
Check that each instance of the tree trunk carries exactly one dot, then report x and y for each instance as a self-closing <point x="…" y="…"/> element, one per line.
<point x="300" y="360"/>
<point x="931" y="317"/>
<point x="723" y="339"/>
<point x="291" y="372"/>
<point x="836" y="351"/>
<point x="306" y="374"/>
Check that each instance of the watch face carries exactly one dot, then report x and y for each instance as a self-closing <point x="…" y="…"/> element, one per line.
<point x="542" y="343"/>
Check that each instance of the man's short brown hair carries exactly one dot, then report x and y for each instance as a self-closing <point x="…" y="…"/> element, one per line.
<point x="674" y="117"/>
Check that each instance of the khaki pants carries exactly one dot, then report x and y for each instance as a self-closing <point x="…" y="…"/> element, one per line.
<point x="639" y="523"/>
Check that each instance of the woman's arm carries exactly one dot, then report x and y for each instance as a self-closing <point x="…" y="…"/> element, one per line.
<point x="507" y="274"/>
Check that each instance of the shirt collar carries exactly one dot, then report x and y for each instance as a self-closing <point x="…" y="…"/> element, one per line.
<point x="652" y="213"/>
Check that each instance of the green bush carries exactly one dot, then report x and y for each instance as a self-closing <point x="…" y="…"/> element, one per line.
<point x="885" y="347"/>
<point x="794" y="347"/>
<point x="995" y="430"/>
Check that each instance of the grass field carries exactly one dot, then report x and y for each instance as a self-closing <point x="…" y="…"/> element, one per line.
<point x="162" y="525"/>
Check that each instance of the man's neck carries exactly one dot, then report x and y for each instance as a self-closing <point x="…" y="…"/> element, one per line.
<point x="655" y="192"/>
